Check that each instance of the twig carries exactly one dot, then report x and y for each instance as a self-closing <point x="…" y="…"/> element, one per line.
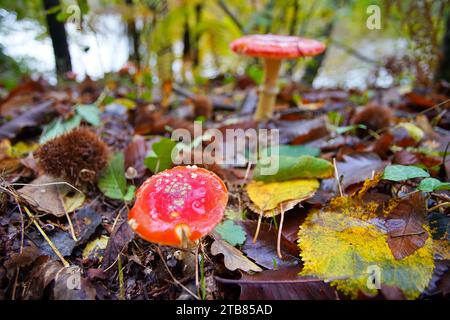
<point x="443" y="204"/>
<point x="172" y="276"/>
<point x="280" y="229"/>
<point x="232" y="16"/>
<point x="336" y="176"/>
<point x="120" y="270"/>
<point x="54" y="248"/>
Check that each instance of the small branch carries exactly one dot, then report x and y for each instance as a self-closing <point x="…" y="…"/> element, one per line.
<point x="54" y="248"/>
<point x="232" y="16"/>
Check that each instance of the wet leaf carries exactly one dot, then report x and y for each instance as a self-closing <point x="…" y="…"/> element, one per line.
<point x="414" y="131"/>
<point x="233" y="258"/>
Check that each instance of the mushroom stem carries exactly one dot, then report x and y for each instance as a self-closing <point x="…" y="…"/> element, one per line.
<point x="269" y="89"/>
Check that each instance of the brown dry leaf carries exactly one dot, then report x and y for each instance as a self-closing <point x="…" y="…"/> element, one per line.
<point x="232" y="257"/>
<point x="282" y="284"/>
<point x="56" y="199"/>
<point x="299" y="132"/>
<point x="358" y="167"/>
<point x="36" y="116"/>
<point x="264" y="251"/>
<point x="40" y="277"/>
<point x="71" y="285"/>
<point x="268" y="198"/>
<point x="119" y="239"/>
<point x="405" y="225"/>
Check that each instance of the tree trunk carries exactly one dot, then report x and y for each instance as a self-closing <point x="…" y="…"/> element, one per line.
<point x="59" y="38"/>
<point x="312" y="69"/>
<point x="133" y="36"/>
<point x="443" y="71"/>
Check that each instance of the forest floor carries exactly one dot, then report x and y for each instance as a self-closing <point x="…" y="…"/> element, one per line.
<point x="384" y="206"/>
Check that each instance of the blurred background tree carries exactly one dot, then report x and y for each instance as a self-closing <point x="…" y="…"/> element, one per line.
<point x="191" y="37"/>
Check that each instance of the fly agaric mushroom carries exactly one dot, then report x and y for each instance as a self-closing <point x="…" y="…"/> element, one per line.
<point x="273" y="49"/>
<point x="178" y="206"/>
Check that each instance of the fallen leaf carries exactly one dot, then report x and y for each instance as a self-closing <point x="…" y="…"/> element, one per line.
<point x="400" y="173"/>
<point x="346" y="242"/>
<point x="118" y="241"/>
<point x="357" y="167"/>
<point x="405" y="226"/>
<point x="264" y="251"/>
<point x="289" y="168"/>
<point x="233" y="258"/>
<point x="267" y="197"/>
<point x="96" y="248"/>
<point x="51" y="195"/>
<point x="282" y="284"/>
<point x="230" y="232"/>
<point x="35" y="116"/>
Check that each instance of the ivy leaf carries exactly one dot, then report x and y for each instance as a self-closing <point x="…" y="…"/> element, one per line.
<point x="293" y="168"/>
<point x="347" y="245"/>
<point x="267" y="197"/>
<point x="432" y="184"/>
<point x="113" y="183"/>
<point x="230" y="232"/>
<point x="161" y="157"/>
<point x="400" y="173"/>
<point x="90" y="113"/>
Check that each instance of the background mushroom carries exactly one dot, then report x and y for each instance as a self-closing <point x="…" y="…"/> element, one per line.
<point x="178" y="206"/>
<point x="273" y="49"/>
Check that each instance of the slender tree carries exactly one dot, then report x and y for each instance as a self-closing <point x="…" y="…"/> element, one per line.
<point x="58" y="35"/>
<point x="443" y="71"/>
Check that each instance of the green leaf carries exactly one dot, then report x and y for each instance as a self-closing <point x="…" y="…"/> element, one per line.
<point x="161" y="157"/>
<point x="432" y="184"/>
<point x="342" y="130"/>
<point x="400" y="173"/>
<point x="113" y="183"/>
<point x="293" y="151"/>
<point x="90" y="113"/>
<point x="58" y="127"/>
<point x="290" y="168"/>
<point x="230" y="232"/>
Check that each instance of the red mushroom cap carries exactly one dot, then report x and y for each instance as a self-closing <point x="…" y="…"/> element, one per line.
<point x="176" y="203"/>
<point x="276" y="46"/>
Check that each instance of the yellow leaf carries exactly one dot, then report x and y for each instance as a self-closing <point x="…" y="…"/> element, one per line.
<point x="127" y="103"/>
<point x="94" y="248"/>
<point x="267" y="197"/>
<point x="413" y="131"/>
<point x="349" y="248"/>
